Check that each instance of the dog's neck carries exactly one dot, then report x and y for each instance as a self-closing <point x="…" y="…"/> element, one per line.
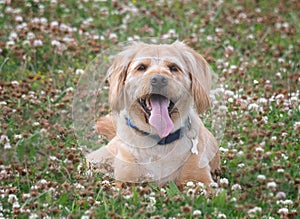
<point x="174" y="136"/>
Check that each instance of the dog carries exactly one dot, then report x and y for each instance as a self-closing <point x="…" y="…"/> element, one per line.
<point x="154" y="130"/>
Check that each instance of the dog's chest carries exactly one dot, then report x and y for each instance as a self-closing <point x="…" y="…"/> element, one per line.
<point x="169" y="156"/>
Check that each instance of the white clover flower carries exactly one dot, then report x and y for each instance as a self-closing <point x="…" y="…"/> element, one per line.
<point x="278" y="74"/>
<point x="273" y="138"/>
<point x="43" y="181"/>
<point x="12" y="198"/>
<point x="163" y="190"/>
<point x="288" y="202"/>
<point x="265" y="119"/>
<point x="279" y="96"/>
<point x="236" y="187"/>
<point x="10" y="43"/>
<point x="190" y="192"/>
<point x="240" y="153"/>
<point x="263" y="101"/>
<point x="213" y="185"/>
<point x="79" y="186"/>
<point x="18" y="137"/>
<point x="19" y="18"/>
<point x="280" y="170"/>
<point x="233" y="199"/>
<point x="26" y="195"/>
<point x="294" y="99"/>
<point x="43" y="20"/>
<point x="224" y="181"/>
<point x="113" y="36"/>
<point x="37" y="43"/>
<point x="221" y="216"/>
<point x="263" y="143"/>
<point x="22" y="210"/>
<point x="70" y="89"/>
<point x="105" y="182"/>
<point x="219" y="30"/>
<point x="172" y="33"/>
<point x="63" y="27"/>
<point x="33" y="216"/>
<point x="13" y="36"/>
<point x="223" y="149"/>
<point x="254" y="211"/>
<point x="230" y="48"/>
<point x="271" y="185"/>
<point x="30" y="36"/>
<point x="255" y="82"/>
<point x="36" y="124"/>
<point x="250" y="37"/>
<point x="127" y="197"/>
<point x="34" y="187"/>
<point x="209" y="38"/>
<point x="15" y="83"/>
<point x="230" y="100"/>
<point x="152" y="200"/>
<point x="253" y="107"/>
<point x="281" y="60"/>
<point x="223" y="108"/>
<point x="53" y="158"/>
<point x="241" y="165"/>
<point x="259" y="149"/>
<point x="285" y="202"/>
<point x="190" y="184"/>
<point x="229" y="93"/>
<point x="55" y="43"/>
<point x="7" y="146"/>
<point x="35" y="20"/>
<point x="197" y="213"/>
<point x="283" y="211"/>
<point x="54" y="24"/>
<point x="261" y="177"/>
<point x="201" y="185"/>
<point x="16" y="205"/>
<point x="284" y="156"/>
<point x="79" y="71"/>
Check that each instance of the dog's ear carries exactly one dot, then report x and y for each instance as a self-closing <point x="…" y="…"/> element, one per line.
<point x="116" y="77"/>
<point x="200" y="75"/>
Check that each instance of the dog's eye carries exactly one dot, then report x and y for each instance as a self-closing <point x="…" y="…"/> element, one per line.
<point x="173" y="68"/>
<point x="142" y="67"/>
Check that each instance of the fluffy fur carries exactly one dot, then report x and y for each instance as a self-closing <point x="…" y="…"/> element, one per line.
<point x="174" y="73"/>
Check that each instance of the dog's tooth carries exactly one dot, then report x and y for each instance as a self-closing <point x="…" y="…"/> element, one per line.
<point x="148" y="104"/>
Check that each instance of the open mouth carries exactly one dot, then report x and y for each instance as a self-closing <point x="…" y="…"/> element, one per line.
<point x="145" y="103"/>
<point x="158" y="110"/>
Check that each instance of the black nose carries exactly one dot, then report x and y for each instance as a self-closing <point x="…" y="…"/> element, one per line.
<point x="159" y="81"/>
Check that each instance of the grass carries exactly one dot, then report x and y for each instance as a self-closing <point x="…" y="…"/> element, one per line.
<point x="253" y="46"/>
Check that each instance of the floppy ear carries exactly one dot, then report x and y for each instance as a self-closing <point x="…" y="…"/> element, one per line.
<point x="200" y="75"/>
<point x="117" y="74"/>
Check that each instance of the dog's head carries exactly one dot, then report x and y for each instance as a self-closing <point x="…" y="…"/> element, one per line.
<point x="158" y="84"/>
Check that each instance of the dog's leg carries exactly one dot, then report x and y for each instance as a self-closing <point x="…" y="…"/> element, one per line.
<point x="106" y="126"/>
<point x="191" y="172"/>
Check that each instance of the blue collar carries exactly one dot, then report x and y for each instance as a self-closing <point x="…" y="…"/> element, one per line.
<point x="163" y="141"/>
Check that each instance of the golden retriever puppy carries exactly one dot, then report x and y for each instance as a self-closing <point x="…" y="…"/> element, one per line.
<point x="156" y="95"/>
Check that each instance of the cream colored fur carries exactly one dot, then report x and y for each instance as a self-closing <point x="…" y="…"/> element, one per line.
<point x="135" y="157"/>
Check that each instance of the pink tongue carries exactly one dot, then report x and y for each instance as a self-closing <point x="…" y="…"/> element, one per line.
<point x="159" y="117"/>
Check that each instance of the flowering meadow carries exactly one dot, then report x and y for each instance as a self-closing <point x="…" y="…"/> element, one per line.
<point x="253" y="47"/>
